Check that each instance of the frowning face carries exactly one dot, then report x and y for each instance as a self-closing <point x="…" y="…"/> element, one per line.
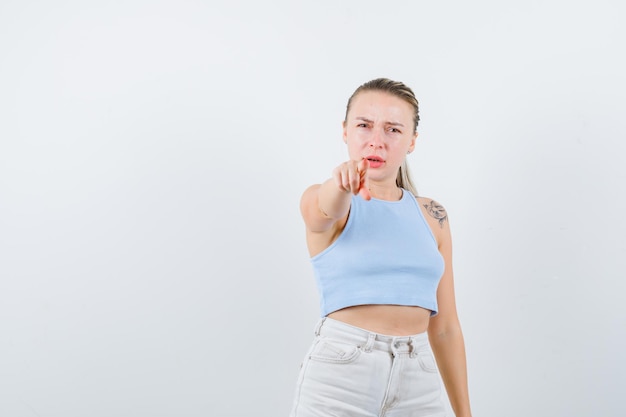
<point x="379" y="127"/>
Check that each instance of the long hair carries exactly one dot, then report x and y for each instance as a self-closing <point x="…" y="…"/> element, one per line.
<point x="402" y="91"/>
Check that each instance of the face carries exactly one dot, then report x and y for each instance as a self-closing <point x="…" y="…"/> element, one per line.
<point x="379" y="127"/>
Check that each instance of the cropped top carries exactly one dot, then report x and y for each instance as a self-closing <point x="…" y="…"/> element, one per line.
<point x="386" y="254"/>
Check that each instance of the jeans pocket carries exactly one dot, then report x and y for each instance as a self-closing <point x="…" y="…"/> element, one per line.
<point x="427" y="362"/>
<point x="333" y="351"/>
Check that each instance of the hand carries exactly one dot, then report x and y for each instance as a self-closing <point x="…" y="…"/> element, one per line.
<point x="351" y="176"/>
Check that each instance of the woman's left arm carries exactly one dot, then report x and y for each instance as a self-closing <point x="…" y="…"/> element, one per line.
<point x="444" y="330"/>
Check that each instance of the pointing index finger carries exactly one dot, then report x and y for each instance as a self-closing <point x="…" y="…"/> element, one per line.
<point x="363" y="186"/>
<point x="364" y="164"/>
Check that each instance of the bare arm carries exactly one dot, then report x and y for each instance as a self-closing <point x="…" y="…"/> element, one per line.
<point x="323" y="205"/>
<point x="444" y="330"/>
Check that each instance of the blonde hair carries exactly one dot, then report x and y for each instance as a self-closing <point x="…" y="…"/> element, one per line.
<point x="404" y="92"/>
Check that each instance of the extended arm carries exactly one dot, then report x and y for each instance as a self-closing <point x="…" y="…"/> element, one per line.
<point x="323" y="205"/>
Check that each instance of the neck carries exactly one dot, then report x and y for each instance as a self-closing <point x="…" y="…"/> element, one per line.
<point x="385" y="192"/>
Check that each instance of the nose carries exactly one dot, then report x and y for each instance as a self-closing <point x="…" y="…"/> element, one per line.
<point x="376" y="140"/>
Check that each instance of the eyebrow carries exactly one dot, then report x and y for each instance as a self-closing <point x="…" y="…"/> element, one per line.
<point x="365" y="119"/>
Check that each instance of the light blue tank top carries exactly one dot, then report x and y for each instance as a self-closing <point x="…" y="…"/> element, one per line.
<point x="386" y="254"/>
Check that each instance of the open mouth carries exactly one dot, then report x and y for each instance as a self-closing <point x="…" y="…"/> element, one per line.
<point x="375" y="161"/>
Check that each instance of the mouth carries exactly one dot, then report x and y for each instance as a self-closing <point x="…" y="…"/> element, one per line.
<point x="375" y="161"/>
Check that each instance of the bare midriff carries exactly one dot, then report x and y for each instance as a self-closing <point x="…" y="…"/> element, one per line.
<point x="390" y="320"/>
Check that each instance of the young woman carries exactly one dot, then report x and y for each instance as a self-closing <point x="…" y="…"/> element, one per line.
<point x="382" y="258"/>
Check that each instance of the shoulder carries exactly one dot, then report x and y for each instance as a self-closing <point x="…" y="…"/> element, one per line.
<point x="309" y="195"/>
<point x="308" y="201"/>
<point x="436" y="215"/>
<point x="434" y="209"/>
<point x="311" y="189"/>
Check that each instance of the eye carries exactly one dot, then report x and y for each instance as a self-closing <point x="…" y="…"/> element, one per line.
<point x="361" y="125"/>
<point x="394" y="130"/>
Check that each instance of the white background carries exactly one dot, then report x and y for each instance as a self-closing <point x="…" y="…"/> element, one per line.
<point x="152" y="157"/>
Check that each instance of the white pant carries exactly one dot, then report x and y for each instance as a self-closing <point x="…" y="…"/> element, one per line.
<point x="351" y="372"/>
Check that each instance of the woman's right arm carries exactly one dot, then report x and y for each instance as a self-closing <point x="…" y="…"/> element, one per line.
<point x="323" y="205"/>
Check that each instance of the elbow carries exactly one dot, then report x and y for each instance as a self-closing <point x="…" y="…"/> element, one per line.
<point x="443" y="329"/>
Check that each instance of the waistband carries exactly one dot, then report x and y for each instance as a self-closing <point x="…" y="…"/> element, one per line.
<point x="335" y="329"/>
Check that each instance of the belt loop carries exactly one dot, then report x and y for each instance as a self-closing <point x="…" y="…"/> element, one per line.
<point x="370" y="342"/>
<point x="394" y="348"/>
<point x="412" y="347"/>
<point x="318" y="327"/>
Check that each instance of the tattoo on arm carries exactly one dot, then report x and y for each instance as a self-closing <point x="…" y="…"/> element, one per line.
<point x="437" y="211"/>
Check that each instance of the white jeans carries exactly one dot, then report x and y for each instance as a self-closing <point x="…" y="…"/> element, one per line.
<point x="351" y="372"/>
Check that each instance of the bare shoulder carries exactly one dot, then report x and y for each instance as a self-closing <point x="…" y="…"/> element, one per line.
<point x="310" y="190"/>
<point x="435" y="213"/>
<point x="308" y="199"/>
<point x="315" y="219"/>
<point x="437" y="218"/>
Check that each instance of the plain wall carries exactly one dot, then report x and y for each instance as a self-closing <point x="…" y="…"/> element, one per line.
<point x="152" y="157"/>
